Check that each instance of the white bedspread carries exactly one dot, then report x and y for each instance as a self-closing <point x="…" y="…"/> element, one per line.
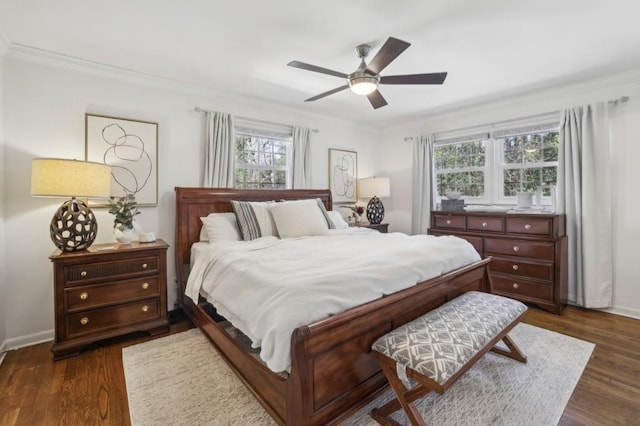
<point x="268" y="287"/>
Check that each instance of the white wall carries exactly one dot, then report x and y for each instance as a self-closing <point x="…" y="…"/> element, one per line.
<point x="44" y="117"/>
<point x="398" y="154"/>
<point x="3" y="320"/>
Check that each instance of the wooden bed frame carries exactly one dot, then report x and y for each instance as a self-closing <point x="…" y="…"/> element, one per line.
<point x="332" y="371"/>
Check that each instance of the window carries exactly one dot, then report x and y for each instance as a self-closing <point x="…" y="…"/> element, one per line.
<point x="262" y="160"/>
<point x="528" y="161"/>
<point x="492" y="169"/>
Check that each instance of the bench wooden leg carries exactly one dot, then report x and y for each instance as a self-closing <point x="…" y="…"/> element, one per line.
<point x="404" y="399"/>
<point x="514" y="352"/>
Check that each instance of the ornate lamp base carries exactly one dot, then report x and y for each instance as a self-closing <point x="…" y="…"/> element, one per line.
<point x="73" y="227"/>
<point x="375" y="210"/>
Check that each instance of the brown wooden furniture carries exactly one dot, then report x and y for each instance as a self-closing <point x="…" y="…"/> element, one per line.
<point x="380" y="227"/>
<point x="332" y="372"/>
<point x="106" y="291"/>
<point x="529" y="252"/>
<point x="432" y="371"/>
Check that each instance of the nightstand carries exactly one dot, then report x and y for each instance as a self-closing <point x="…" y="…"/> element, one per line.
<point x="380" y="227"/>
<point x="108" y="290"/>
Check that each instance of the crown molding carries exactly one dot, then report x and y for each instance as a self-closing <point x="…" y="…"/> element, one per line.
<point x="76" y="64"/>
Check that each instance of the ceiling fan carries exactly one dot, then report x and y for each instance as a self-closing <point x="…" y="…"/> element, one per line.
<point x="366" y="78"/>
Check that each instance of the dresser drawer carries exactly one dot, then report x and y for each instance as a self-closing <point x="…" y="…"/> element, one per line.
<point x="521" y="289"/>
<point x="485" y="223"/>
<point x="90" y="296"/>
<point x="541" y="271"/>
<point x="89" y="271"/>
<point x="530" y="226"/>
<point x="449" y="222"/>
<point x="112" y="317"/>
<point x="520" y="248"/>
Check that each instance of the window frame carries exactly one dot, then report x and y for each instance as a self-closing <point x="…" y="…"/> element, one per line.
<point x="255" y="131"/>
<point x="495" y="165"/>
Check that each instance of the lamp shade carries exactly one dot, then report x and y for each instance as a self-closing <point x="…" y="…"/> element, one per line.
<point x="379" y="187"/>
<point x="56" y="177"/>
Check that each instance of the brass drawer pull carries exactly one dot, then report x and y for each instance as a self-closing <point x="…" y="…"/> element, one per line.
<point x="144" y="266"/>
<point x="516" y="249"/>
<point x="448" y="221"/>
<point x="527" y="226"/>
<point x="485" y="224"/>
<point x="83" y="273"/>
<point x="145" y="286"/>
<point x="515" y="285"/>
<point x="84" y="321"/>
<point x="145" y="308"/>
<point x="515" y="267"/>
<point x="84" y="295"/>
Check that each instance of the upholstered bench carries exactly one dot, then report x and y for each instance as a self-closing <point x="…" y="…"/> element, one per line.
<point x="438" y="347"/>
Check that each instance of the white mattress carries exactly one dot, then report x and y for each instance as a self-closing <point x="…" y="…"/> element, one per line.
<point x="268" y="287"/>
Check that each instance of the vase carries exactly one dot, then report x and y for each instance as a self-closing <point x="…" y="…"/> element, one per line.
<point x="125" y="236"/>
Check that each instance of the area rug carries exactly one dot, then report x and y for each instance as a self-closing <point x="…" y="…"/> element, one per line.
<point x="181" y="380"/>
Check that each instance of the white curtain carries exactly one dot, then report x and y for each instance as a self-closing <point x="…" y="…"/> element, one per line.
<point x="301" y="154"/>
<point x="584" y="195"/>
<point x="422" y="178"/>
<point x="219" y="161"/>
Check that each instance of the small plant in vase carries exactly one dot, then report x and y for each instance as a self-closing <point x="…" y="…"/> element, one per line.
<point x="124" y="209"/>
<point x="358" y="211"/>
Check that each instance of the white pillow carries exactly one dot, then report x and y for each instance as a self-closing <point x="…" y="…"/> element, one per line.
<point x="220" y="227"/>
<point x="254" y="219"/>
<point x="337" y="219"/>
<point x="299" y="218"/>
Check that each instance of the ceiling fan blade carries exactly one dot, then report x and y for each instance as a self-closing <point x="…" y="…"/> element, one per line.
<point x="432" y="78"/>
<point x="389" y="51"/>
<point x="309" y="67"/>
<point x="376" y="99"/>
<point x="330" y="92"/>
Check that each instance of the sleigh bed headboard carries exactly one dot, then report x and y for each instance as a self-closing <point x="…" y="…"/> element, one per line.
<point x="194" y="203"/>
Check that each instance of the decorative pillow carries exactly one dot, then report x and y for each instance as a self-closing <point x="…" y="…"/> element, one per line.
<point x="300" y="218"/>
<point x="220" y="227"/>
<point x="337" y="219"/>
<point x="254" y="219"/>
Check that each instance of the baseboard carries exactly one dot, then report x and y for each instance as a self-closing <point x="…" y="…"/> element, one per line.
<point x="3" y="351"/>
<point x="626" y="312"/>
<point x="28" y="340"/>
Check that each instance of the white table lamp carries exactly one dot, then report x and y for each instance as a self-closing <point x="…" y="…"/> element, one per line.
<point x="375" y="187"/>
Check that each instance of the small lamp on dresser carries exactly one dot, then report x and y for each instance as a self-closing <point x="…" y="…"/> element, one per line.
<point x="375" y="187"/>
<point x="74" y="226"/>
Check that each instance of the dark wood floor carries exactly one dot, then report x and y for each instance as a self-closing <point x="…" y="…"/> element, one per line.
<point x="89" y="389"/>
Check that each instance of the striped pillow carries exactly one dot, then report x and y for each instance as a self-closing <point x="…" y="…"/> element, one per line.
<point x="254" y="219"/>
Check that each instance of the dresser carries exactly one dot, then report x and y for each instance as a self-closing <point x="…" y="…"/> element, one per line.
<point x="529" y="252"/>
<point x="108" y="290"/>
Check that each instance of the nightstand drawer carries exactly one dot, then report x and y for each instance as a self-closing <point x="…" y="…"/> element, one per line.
<point x="449" y="222"/>
<point x="482" y="223"/>
<point x="90" y="296"/>
<point x="90" y="271"/>
<point x="521" y="248"/>
<point x="103" y="319"/>
<point x="541" y="271"/>
<point x="521" y="289"/>
<point x="530" y="226"/>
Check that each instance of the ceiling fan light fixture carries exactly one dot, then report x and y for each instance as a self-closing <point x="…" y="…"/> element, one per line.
<point x="363" y="84"/>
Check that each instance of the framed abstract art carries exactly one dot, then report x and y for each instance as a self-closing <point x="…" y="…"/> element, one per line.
<point x="130" y="147"/>
<point x="343" y="175"/>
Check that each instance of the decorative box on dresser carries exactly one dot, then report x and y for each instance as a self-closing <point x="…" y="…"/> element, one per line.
<point x="529" y="252"/>
<point x="108" y="290"/>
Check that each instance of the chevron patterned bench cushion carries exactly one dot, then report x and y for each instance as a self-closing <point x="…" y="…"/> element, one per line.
<point x="441" y="342"/>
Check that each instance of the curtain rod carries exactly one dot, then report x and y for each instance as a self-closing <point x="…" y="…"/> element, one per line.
<point x="528" y="117"/>
<point x="256" y="120"/>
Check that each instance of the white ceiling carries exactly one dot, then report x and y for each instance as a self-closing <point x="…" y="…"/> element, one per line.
<point x="490" y="48"/>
